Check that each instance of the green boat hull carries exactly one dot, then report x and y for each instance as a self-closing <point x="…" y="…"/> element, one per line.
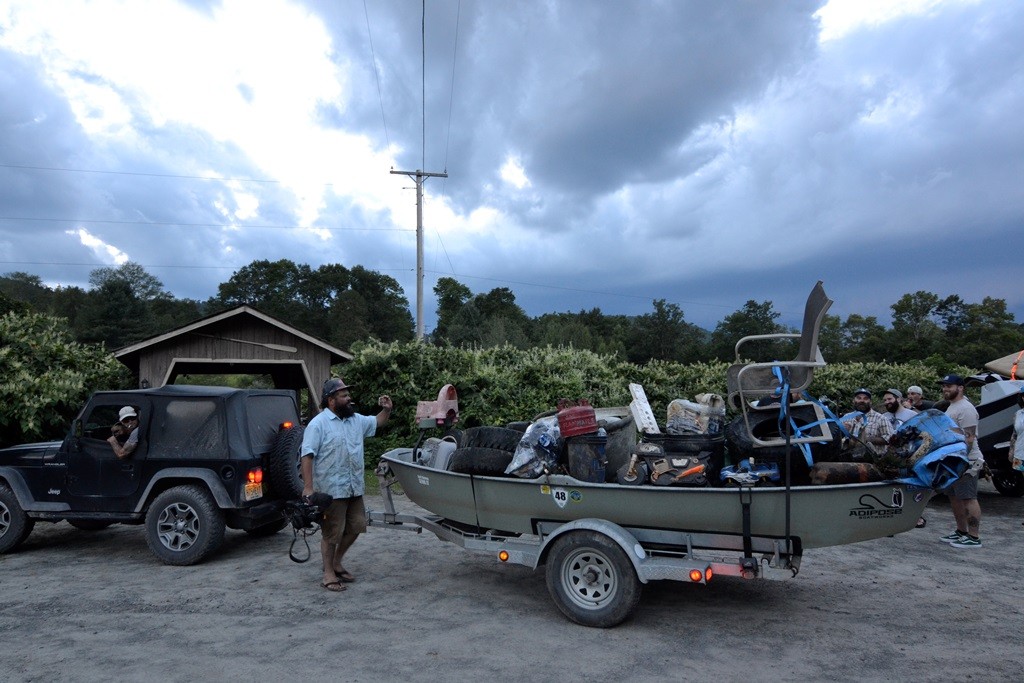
<point x="820" y="516"/>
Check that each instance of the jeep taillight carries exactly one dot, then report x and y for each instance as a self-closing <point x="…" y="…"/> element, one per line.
<point x="256" y="475"/>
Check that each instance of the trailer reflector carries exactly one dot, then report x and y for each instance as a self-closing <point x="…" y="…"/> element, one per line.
<point x="503" y="556"/>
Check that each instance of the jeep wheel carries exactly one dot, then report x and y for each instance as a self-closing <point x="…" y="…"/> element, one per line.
<point x="184" y="525"/>
<point x="282" y="464"/>
<point x="15" y="526"/>
<point x="1008" y="482"/>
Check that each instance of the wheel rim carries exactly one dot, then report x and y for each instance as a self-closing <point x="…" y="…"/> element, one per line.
<point x="589" y="578"/>
<point x="5" y="519"/>
<point x="178" y="527"/>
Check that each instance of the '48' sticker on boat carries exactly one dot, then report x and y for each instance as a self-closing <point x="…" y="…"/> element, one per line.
<point x="562" y="496"/>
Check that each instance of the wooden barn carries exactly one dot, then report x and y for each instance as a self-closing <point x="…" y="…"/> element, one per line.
<point x="238" y="341"/>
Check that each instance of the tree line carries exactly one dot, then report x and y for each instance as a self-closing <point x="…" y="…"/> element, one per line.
<point x="343" y="306"/>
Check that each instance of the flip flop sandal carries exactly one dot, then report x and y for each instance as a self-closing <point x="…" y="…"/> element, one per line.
<point x="333" y="586"/>
<point x="345" y="576"/>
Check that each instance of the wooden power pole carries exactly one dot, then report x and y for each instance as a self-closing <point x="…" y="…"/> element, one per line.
<point x="418" y="177"/>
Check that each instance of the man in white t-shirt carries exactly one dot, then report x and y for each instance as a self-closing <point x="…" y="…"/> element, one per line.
<point x="963" y="493"/>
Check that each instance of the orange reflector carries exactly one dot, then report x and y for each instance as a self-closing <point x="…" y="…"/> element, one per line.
<point x="256" y="476"/>
<point x="696" y="575"/>
<point x="287" y="425"/>
<point x="707" y="574"/>
<point x="503" y="556"/>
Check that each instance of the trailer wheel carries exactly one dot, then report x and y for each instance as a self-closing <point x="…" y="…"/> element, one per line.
<point x="591" y="580"/>
<point x="489" y="462"/>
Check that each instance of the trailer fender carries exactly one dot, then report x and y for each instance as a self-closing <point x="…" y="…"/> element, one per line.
<point x="634" y="551"/>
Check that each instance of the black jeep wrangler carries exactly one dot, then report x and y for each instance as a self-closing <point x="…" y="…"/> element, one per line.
<point x="207" y="458"/>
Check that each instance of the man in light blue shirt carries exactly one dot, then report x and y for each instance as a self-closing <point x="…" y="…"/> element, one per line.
<point x="332" y="463"/>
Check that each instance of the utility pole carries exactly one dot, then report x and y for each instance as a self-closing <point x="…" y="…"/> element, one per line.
<point x="418" y="177"/>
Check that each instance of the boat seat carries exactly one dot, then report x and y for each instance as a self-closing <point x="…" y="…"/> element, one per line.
<point x="749" y="382"/>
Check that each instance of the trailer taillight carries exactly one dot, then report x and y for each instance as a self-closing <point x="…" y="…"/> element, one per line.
<point x="256" y="475"/>
<point x="287" y="425"/>
<point x="707" y="574"/>
<point x="503" y="556"/>
<point x="696" y="575"/>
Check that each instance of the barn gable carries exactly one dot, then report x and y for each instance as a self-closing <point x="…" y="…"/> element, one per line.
<point x="238" y="341"/>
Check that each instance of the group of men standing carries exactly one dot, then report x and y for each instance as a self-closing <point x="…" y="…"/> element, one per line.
<point x="874" y="429"/>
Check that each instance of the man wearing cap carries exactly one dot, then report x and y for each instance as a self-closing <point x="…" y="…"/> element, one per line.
<point x="129" y="420"/>
<point x="894" y="410"/>
<point x="963" y="493"/>
<point x="866" y="424"/>
<point x="915" y="399"/>
<point x="332" y="463"/>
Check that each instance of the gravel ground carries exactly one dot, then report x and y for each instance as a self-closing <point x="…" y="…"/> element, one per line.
<point x="91" y="606"/>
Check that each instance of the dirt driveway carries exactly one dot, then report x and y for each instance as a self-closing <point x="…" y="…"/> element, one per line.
<point x="85" y="606"/>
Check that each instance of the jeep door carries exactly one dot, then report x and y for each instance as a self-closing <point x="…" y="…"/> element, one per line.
<point x="96" y="477"/>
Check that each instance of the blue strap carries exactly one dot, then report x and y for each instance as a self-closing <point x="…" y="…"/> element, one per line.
<point x="784" y="414"/>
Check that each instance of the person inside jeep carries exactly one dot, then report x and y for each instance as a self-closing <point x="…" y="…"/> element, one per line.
<point x="129" y="420"/>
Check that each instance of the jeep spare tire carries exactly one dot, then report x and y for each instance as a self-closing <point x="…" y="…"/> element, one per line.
<point x="282" y="464"/>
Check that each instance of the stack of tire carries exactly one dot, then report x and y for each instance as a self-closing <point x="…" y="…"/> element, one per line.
<point x="764" y="425"/>
<point x="485" y="451"/>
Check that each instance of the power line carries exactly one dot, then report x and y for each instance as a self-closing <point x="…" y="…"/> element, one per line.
<point x="200" y="225"/>
<point x="145" y="175"/>
<point x="376" y="74"/>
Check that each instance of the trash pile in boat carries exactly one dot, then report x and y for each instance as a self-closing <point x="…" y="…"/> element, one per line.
<point x="696" y="447"/>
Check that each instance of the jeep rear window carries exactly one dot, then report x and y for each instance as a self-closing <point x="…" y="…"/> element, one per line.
<point x="266" y="413"/>
<point x="188" y="428"/>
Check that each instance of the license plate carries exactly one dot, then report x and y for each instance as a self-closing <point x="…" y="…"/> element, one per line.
<point x="253" y="491"/>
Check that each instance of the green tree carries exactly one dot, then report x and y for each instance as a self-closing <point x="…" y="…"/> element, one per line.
<point x="664" y="335"/>
<point x="26" y="288"/>
<point x="451" y="295"/>
<point x="864" y="339"/>
<point x="45" y="376"/>
<point x="115" y="316"/>
<point x="753" y="318"/>
<point x="143" y="286"/>
<point x="915" y="329"/>
<point x="978" y="333"/>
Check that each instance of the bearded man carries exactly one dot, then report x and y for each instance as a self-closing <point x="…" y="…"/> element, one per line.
<point x="332" y="463"/>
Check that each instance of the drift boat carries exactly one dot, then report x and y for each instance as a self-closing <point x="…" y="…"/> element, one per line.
<point x="820" y="516"/>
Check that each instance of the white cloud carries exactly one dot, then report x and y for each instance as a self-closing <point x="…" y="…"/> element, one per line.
<point x="105" y="252"/>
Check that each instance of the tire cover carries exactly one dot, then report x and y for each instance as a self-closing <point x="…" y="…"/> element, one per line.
<point x="282" y="464"/>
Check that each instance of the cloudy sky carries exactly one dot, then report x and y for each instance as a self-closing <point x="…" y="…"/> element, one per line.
<point x="599" y="153"/>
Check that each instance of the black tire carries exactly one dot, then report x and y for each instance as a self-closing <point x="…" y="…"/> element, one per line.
<point x="490" y="462"/>
<point x="591" y="580"/>
<point x="491" y="437"/>
<point x="1008" y="482"/>
<point x="15" y="525"/>
<point x="765" y="424"/>
<point x="282" y="464"/>
<point x="89" y="524"/>
<point x="268" y="529"/>
<point x="184" y="525"/>
<point x="519" y="426"/>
